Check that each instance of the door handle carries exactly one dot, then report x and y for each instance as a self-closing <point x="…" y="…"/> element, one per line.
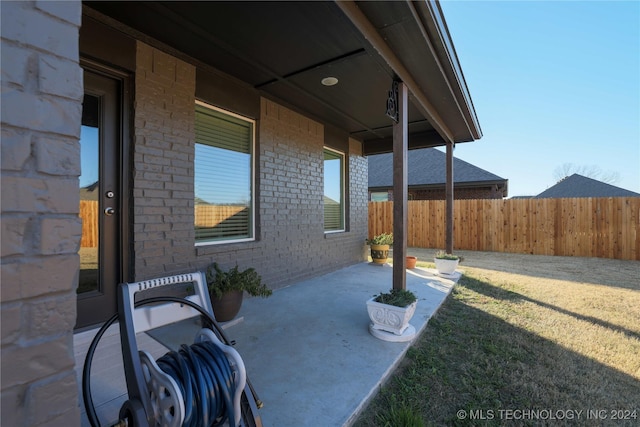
<point x="109" y="211"/>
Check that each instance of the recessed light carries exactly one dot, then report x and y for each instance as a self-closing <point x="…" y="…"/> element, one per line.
<point x="329" y="81"/>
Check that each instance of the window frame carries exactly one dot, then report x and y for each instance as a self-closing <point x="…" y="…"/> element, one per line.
<point x="252" y="179"/>
<point x="343" y="184"/>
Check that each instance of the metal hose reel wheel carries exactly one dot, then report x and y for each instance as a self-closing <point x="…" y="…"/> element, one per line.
<point x="166" y="399"/>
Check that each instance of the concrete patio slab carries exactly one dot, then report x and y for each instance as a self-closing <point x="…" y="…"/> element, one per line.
<point x="307" y="348"/>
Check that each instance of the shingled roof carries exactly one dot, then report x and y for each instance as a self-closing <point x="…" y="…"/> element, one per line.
<point x="581" y="186"/>
<point x="426" y="167"/>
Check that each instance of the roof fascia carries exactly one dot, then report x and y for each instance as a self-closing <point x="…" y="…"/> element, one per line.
<point x="448" y="63"/>
<point x="428" y="17"/>
<point x="369" y="32"/>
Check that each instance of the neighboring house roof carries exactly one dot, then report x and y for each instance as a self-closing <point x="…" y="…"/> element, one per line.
<point x="427" y="167"/>
<point x="89" y="192"/>
<point x="330" y="201"/>
<point x="582" y="186"/>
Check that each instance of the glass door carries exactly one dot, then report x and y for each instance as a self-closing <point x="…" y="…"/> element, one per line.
<point x="100" y="142"/>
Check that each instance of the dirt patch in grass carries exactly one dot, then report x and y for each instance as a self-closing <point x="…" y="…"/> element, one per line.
<point x="525" y="333"/>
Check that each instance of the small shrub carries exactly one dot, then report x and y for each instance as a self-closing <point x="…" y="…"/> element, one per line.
<point x="444" y="255"/>
<point x="381" y="239"/>
<point x="396" y="297"/>
<point x="220" y="282"/>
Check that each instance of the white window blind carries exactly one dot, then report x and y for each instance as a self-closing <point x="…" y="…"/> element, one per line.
<point x="223" y="175"/>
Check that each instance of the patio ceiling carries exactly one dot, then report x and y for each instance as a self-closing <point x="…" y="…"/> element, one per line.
<point x="285" y="49"/>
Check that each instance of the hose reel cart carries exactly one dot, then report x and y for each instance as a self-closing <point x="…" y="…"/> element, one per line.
<point x="200" y="385"/>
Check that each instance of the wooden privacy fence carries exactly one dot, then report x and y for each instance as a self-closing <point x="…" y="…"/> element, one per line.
<point x="586" y="227"/>
<point x="212" y="215"/>
<point x="205" y="216"/>
<point x="89" y="217"/>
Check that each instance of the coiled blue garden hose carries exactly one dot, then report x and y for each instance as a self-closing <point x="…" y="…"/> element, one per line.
<point x="202" y="372"/>
<point x="204" y="376"/>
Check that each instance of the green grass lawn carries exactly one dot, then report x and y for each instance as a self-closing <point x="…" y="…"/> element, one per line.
<point x="504" y="350"/>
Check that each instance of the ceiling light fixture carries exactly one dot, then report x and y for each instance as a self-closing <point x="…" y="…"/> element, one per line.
<point x="329" y="81"/>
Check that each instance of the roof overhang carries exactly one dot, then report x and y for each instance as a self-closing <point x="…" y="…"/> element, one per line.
<point x="284" y="49"/>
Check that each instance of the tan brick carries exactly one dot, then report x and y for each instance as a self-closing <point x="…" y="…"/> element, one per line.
<point x="17" y="63"/>
<point x="49" y="114"/>
<point x="163" y="66"/>
<point x="13" y="231"/>
<point x="60" y="77"/>
<point x="50" y="30"/>
<point x="50" y="316"/>
<point x="11" y="322"/>
<point x="41" y="94"/>
<point x="12" y="406"/>
<point x="15" y="149"/>
<point x="26" y="194"/>
<point x="68" y="11"/>
<point x="186" y="75"/>
<point x="60" y="235"/>
<point x="30" y="277"/>
<point x="18" y="193"/>
<point x="58" y="156"/>
<point x="50" y="399"/>
<point x="23" y="365"/>
<point x="270" y="109"/>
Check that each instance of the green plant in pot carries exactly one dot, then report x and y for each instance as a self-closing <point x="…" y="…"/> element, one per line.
<point x="446" y="263"/>
<point x="396" y="297"/>
<point x="391" y="311"/>
<point x="226" y="289"/>
<point x="380" y="247"/>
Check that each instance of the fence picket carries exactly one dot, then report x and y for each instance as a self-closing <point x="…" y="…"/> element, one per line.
<point x="586" y="227"/>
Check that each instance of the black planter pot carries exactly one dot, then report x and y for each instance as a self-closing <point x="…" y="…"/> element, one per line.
<point x="227" y="307"/>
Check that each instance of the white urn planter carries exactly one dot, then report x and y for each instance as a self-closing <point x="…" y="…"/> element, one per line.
<point x="446" y="266"/>
<point x="389" y="318"/>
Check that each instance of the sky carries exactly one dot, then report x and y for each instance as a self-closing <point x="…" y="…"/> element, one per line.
<point x="89" y="155"/>
<point x="552" y="82"/>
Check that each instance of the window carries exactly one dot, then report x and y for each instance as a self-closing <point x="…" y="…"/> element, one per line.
<point x="223" y="176"/>
<point x="380" y="197"/>
<point x="333" y="191"/>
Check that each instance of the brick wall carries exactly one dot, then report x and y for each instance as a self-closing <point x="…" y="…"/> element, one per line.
<point x="291" y="244"/>
<point x="359" y="202"/>
<point x="41" y="113"/>
<point x="292" y="213"/>
<point x="163" y="153"/>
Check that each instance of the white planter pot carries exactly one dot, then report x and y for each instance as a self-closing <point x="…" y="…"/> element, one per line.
<point x="446" y="266"/>
<point x="390" y="318"/>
